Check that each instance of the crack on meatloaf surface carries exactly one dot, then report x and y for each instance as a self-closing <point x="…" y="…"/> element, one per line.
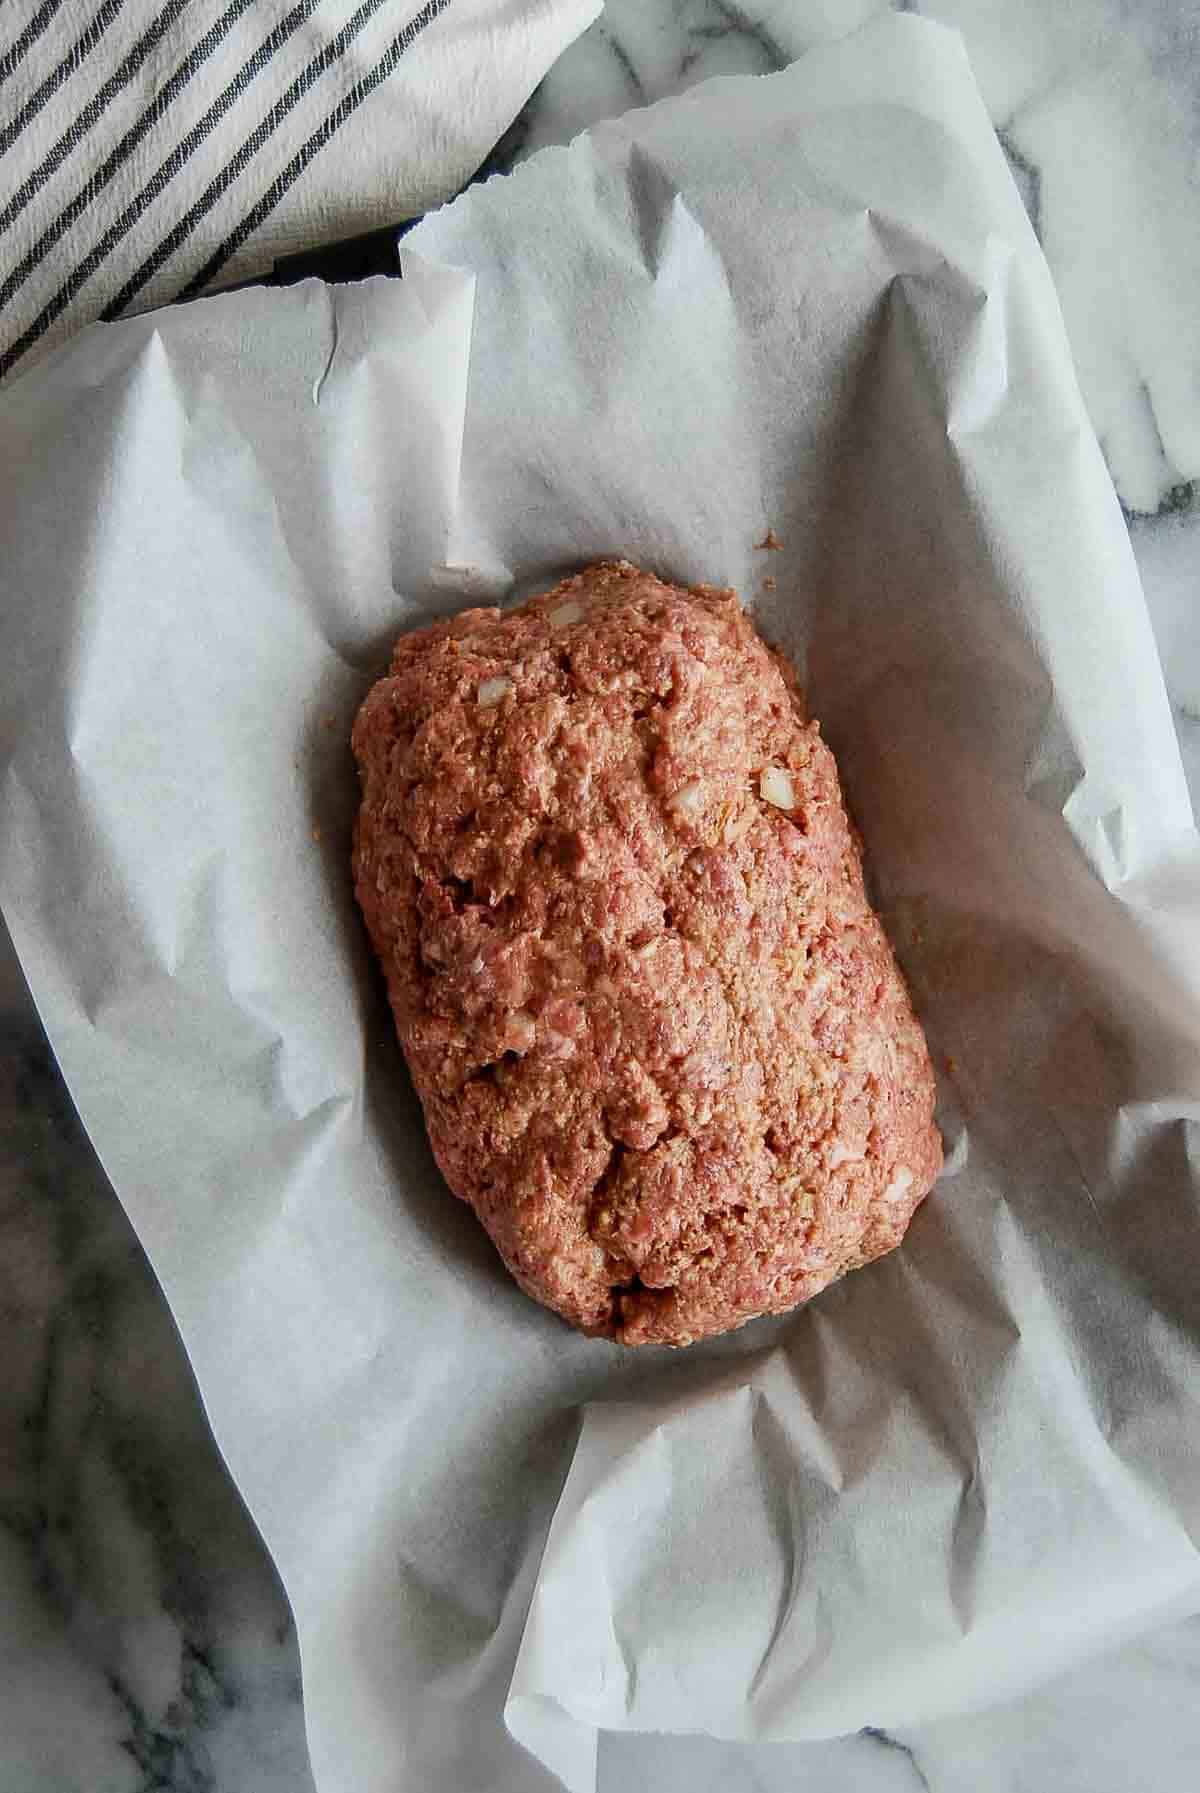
<point x="661" y="1042"/>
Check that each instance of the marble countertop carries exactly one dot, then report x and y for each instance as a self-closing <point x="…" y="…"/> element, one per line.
<point x="145" y="1640"/>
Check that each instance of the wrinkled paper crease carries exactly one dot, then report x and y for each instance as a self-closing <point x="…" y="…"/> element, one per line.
<point x="810" y="303"/>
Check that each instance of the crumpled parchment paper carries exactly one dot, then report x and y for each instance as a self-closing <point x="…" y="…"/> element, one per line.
<point x="810" y="303"/>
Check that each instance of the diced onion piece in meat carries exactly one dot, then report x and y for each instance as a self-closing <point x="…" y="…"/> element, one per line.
<point x="688" y="800"/>
<point x="775" y="786"/>
<point x="899" y="1186"/>
<point x="520" y="1032"/>
<point x="563" y="614"/>
<point x="492" y="690"/>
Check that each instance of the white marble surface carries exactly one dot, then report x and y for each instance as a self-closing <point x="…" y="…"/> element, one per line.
<point x="145" y="1642"/>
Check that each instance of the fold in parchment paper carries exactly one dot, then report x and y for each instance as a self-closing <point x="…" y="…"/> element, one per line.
<point x="810" y="303"/>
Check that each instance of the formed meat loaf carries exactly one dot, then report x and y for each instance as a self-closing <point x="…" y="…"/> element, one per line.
<point x="661" y="1042"/>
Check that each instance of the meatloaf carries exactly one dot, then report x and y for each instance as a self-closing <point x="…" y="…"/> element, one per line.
<point x="661" y="1042"/>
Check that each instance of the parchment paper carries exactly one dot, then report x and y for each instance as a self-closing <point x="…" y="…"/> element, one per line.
<point x="810" y="302"/>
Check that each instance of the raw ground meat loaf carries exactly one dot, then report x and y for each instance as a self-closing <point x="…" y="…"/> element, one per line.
<point x="661" y="1042"/>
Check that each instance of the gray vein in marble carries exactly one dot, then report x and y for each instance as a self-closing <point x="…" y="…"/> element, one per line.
<point x="1182" y="495"/>
<point x="625" y="63"/>
<point x="737" y="19"/>
<point x="887" y="1741"/>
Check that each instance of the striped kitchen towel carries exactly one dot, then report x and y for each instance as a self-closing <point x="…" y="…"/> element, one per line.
<point x="154" y="148"/>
